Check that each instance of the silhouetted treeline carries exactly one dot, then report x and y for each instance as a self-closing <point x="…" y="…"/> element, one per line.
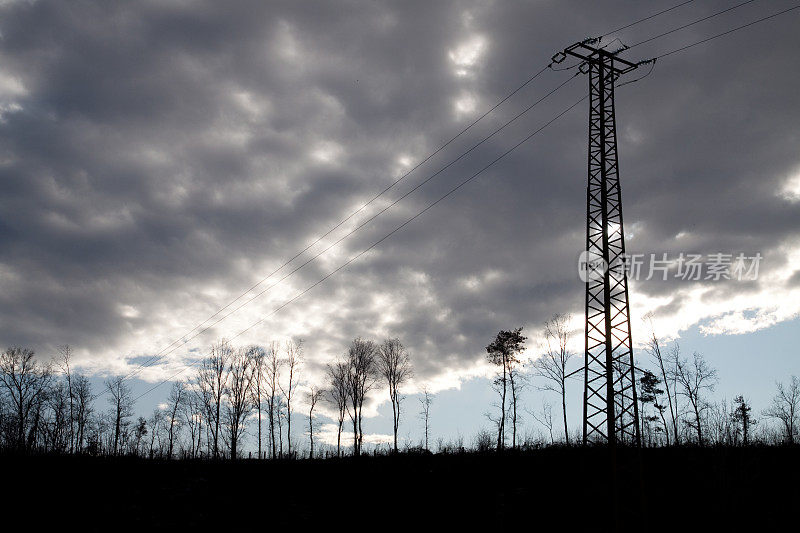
<point x="673" y="397"/>
<point x="262" y="392"/>
<point x="48" y="407"/>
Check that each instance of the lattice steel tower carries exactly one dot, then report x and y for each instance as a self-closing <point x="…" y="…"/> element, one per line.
<point x="610" y="412"/>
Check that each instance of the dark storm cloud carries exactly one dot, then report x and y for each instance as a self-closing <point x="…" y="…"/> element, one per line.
<point x="165" y="155"/>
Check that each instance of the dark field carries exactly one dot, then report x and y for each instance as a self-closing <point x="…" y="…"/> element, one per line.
<point x="679" y="489"/>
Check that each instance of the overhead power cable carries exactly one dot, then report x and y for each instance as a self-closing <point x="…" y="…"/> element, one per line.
<point x="364" y="223"/>
<point x="177" y="341"/>
<point x="350" y="216"/>
<point x="652" y="61"/>
<point x="698" y="21"/>
<point x="647" y="18"/>
<point x="682" y="48"/>
<point x="600" y="37"/>
<point x="484" y="115"/>
<point x="385" y="237"/>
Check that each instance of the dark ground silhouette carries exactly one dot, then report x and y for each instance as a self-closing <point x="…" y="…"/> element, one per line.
<point x="674" y="489"/>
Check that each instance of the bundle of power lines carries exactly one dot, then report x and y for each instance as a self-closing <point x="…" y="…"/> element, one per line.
<point x="242" y="300"/>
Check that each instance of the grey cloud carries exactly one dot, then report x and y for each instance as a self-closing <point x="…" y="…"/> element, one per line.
<point x="164" y="148"/>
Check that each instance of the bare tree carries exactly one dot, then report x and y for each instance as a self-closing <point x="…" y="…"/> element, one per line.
<point x="517" y="381"/>
<point x="154" y="424"/>
<point x="83" y="398"/>
<point x="314" y="394"/>
<point x="667" y="366"/>
<point x="258" y="358"/>
<point x="26" y="382"/>
<point x="294" y="358"/>
<point x="280" y="413"/>
<point x="552" y="365"/>
<point x="502" y="351"/>
<point x="237" y="392"/>
<point x="360" y="379"/>
<point x="720" y="428"/>
<point x="121" y="407"/>
<point x="56" y="426"/>
<point x="177" y="397"/>
<point x="273" y="367"/>
<point x="97" y="439"/>
<point x="65" y="353"/>
<point x="425" y="412"/>
<point x="694" y="379"/>
<point x="545" y="418"/>
<point x="672" y="360"/>
<point x="786" y="409"/>
<point x="192" y="412"/>
<point x="212" y="384"/>
<point x="394" y="365"/>
<point x="337" y="394"/>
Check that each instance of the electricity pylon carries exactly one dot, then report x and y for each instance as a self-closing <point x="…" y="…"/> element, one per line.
<point x="610" y="411"/>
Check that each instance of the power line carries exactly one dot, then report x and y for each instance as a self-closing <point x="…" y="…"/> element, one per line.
<point x="647" y="18"/>
<point x="727" y="32"/>
<point x="652" y="61"/>
<point x="379" y="241"/>
<point x="357" y="228"/>
<point x="349" y="217"/>
<point x="698" y="21"/>
<point x="340" y="223"/>
<point x="163" y="352"/>
<point x="159" y="355"/>
<point x="617" y="39"/>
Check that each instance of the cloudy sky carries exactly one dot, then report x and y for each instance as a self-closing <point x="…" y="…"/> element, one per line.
<point x="160" y="157"/>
